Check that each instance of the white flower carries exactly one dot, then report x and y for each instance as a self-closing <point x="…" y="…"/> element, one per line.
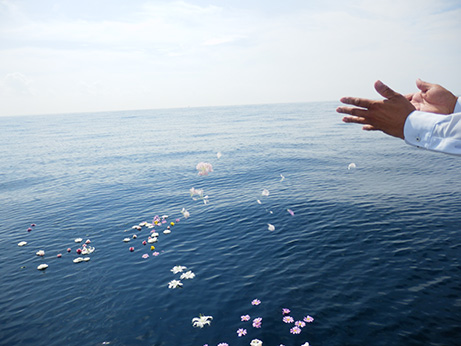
<point x="40" y="253"/>
<point x="256" y="342"/>
<point x="174" y="284"/>
<point x="187" y="275"/>
<point x="270" y="227"/>
<point x="201" y="321"/>
<point x="178" y="269"/>
<point x="42" y="266"/>
<point x="87" y="250"/>
<point x="185" y="213"/>
<point x="152" y="240"/>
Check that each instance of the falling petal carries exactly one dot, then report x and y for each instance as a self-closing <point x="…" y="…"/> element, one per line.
<point x="270" y="227"/>
<point x="218" y="155"/>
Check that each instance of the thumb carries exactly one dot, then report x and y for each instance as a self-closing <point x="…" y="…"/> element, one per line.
<point x="384" y="90"/>
<point x="423" y="86"/>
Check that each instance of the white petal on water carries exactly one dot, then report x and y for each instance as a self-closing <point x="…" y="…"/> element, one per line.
<point x="40" y="253"/>
<point x="265" y="192"/>
<point x="78" y="240"/>
<point x="42" y="266"/>
<point x="259" y="202"/>
<point x="218" y="155"/>
<point x="78" y="260"/>
<point x="282" y="178"/>
<point x="126" y="240"/>
<point x="174" y="284"/>
<point x="167" y="231"/>
<point x="187" y="275"/>
<point x="270" y="227"/>
<point x="22" y="243"/>
<point x="178" y="269"/>
<point x="351" y="166"/>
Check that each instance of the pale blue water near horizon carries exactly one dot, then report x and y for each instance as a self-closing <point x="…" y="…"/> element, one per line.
<point x="372" y="253"/>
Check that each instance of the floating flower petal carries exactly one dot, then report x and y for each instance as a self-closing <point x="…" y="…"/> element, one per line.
<point x="174" y="284"/>
<point x="218" y="155"/>
<point x="255" y="302"/>
<point x="308" y="319"/>
<point x="40" y="253"/>
<point x="282" y="178"/>
<point x="78" y="240"/>
<point x="22" y="243"/>
<point x="42" y="266"/>
<point x="145" y="256"/>
<point x="185" y="213"/>
<point x="265" y="192"/>
<point x="270" y="227"/>
<point x="187" y="275"/>
<point x="204" y="168"/>
<point x="288" y="319"/>
<point x="256" y="342"/>
<point x="257" y="322"/>
<point x="178" y="269"/>
<point x="245" y="318"/>
<point x="286" y="311"/>
<point x="295" y="330"/>
<point x="241" y="332"/>
<point x="351" y="166"/>
<point x="201" y="321"/>
<point x="300" y="324"/>
<point x="292" y="213"/>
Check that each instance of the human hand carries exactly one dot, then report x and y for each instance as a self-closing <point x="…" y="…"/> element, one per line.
<point x="386" y="115"/>
<point x="432" y="98"/>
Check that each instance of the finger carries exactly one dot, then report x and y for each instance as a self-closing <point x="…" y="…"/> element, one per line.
<point x="422" y="85"/>
<point x="384" y="90"/>
<point x="356" y="101"/>
<point x="355" y="120"/>
<point x="358" y="112"/>
<point x="370" y="128"/>
<point x="409" y="97"/>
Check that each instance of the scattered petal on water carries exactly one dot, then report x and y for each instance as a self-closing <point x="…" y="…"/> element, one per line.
<point x="256" y="342"/>
<point x="126" y="240"/>
<point x="185" y="213"/>
<point x="305" y="344"/>
<point x="300" y="324"/>
<point x="40" y="253"/>
<point x="270" y="227"/>
<point x="187" y="275"/>
<point x="78" y="240"/>
<point x="42" y="266"/>
<point x="295" y="330"/>
<point x="155" y="253"/>
<point x="308" y="319"/>
<point x="265" y="192"/>
<point x="241" y="332"/>
<point x="286" y="311"/>
<point x="145" y="256"/>
<point x="259" y="202"/>
<point x="178" y="269"/>
<point x="292" y="213"/>
<point x="257" y="322"/>
<point x="288" y="319"/>
<point x="351" y="166"/>
<point x="218" y="155"/>
<point x="282" y="178"/>
<point x="245" y="318"/>
<point x="22" y="243"/>
<point x="201" y="321"/>
<point x="174" y="284"/>
<point x="204" y="168"/>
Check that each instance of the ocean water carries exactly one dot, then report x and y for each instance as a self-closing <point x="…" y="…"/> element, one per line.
<point x="371" y="253"/>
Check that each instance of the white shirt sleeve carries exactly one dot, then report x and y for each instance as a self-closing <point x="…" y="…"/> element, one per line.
<point x="435" y="131"/>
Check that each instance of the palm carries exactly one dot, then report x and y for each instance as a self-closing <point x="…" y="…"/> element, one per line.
<point x="433" y="99"/>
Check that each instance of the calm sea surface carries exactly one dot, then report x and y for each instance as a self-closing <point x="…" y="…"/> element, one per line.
<point x="372" y="253"/>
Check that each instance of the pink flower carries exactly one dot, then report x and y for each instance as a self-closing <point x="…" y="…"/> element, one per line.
<point x="257" y="322"/>
<point x="245" y="318"/>
<point x="204" y="168"/>
<point x="241" y="332"/>
<point x="295" y="330"/>
<point x="288" y="319"/>
<point x="255" y="302"/>
<point x="285" y="311"/>
<point x="300" y="324"/>
<point x="145" y="256"/>
<point x="155" y="253"/>
<point x="308" y="319"/>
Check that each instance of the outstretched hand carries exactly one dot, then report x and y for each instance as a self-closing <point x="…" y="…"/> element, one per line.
<point x="432" y="98"/>
<point x="386" y="115"/>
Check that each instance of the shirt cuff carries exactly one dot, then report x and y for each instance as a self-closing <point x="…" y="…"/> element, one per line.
<point x="458" y="106"/>
<point x="419" y="127"/>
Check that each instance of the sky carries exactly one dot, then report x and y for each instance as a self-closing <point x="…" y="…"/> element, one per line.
<point x="67" y="56"/>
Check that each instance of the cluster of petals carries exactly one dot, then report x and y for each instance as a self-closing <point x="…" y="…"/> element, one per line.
<point x="204" y="168"/>
<point x="174" y="284"/>
<point x="201" y="321"/>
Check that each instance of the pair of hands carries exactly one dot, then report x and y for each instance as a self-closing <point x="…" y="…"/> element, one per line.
<point x="389" y="115"/>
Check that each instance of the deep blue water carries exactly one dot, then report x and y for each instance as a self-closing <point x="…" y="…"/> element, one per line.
<point x="372" y="253"/>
